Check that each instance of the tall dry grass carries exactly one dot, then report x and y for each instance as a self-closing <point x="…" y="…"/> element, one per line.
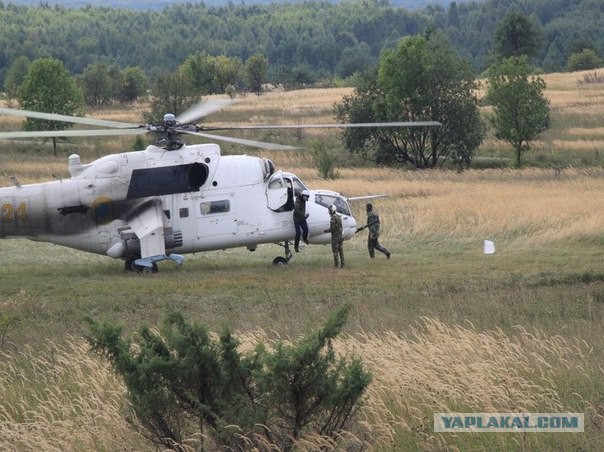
<point x="519" y="208"/>
<point x="575" y="136"/>
<point x="441" y="368"/>
<point x="64" y="399"/>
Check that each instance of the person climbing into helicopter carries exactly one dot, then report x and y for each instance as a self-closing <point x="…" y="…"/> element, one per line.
<point x="300" y="217"/>
<point x="335" y="227"/>
<point x="289" y="205"/>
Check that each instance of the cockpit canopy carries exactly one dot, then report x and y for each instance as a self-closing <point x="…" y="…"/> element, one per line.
<point x="286" y="180"/>
<point x="284" y="187"/>
<point x="327" y="199"/>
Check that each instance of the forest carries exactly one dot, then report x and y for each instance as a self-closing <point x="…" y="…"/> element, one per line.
<point x="327" y="40"/>
<point x="146" y="5"/>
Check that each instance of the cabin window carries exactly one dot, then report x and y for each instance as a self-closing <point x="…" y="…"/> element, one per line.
<point x="184" y="212"/>
<point x="212" y="207"/>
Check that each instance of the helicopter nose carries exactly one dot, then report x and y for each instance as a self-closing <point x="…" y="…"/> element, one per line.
<point x="349" y="227"/>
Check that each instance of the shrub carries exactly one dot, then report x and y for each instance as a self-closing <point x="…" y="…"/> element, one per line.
<point x="583" y="60"/>
<point x="591" y="78"/>
<point x="185" y="382"/>
<point x="325" y="161"/>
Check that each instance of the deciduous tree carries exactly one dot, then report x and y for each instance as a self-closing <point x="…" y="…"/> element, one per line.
<point x="583" y="60"/>
<point x="256" y="70"/>
<point x="227" y="71"/>
<point x="521" y="111"/>
<point x="48" y="87"/>
<point x="212" y="74"/>
<point x="172" y="93"/>
<point x="421" y="80"/>
<point x="96" y="85"/>
<point x="199" y="68"/>
<point x="133" y="85"/>
<point x="14" y="76"/>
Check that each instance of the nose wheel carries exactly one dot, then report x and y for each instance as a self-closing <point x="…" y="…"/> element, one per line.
<point x="281" y="261"/>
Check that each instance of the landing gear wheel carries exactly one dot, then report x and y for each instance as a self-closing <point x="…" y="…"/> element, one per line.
<point x="144" y="270"/>
<point x="149" y="270"/>
<point x="280" y="261"/>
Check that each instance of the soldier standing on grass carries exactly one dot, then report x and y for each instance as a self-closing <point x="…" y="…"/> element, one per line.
<point x="335" y="227"/>
<point x="373" y="223"/>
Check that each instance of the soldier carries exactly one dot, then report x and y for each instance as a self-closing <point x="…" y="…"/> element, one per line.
<point x="373" y="223"/>
<point x="300" y="217"/>
<point x="335" y="227"/>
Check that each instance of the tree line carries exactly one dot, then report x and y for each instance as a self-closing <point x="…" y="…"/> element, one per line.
<point x="304" y="43"/>
<point x="413" y="80"/>
<point x="422" y="79"/>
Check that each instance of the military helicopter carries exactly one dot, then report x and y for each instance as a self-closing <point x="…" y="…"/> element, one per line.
<point x="171" y="198"/>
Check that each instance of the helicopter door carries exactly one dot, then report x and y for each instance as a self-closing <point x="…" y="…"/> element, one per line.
<point x="280" y="193"/>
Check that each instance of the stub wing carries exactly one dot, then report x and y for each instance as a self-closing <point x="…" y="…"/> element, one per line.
<point x="359" y="198"/>
<point x="146" y="220"/>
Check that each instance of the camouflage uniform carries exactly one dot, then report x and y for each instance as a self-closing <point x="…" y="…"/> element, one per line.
<point x="300" y="224"/>
<point x="373" y="222"/>
<point x="337" y="248"/>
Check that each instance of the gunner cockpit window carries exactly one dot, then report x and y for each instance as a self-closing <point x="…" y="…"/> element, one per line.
<point x="338" y="201"/>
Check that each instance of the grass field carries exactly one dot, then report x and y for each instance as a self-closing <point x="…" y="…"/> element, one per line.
<point x="442" y="326"/>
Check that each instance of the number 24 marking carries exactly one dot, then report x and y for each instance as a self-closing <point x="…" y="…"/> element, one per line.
<point x="10" y="214"/>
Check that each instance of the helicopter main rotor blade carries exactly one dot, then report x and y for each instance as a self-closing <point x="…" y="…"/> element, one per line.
<point x="71" y="133"/>
<point x="66" y="118"/>
<point x="202" y="109"/>
<point x="251" y="143"/>
<point x="331" y="126"/>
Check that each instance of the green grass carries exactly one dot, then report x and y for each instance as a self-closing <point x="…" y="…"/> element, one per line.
<point x="559" y="289"/>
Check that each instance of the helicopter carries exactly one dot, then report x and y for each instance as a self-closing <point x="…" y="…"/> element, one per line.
<point x="170" y="199"/>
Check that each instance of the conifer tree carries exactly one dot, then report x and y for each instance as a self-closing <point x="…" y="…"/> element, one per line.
<point x="184" y="381"/>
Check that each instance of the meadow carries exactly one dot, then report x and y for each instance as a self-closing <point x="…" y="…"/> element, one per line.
<point x="442" y="326"/>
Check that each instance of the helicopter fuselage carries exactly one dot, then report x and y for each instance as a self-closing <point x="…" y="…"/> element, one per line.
<point x="157" y="201"/>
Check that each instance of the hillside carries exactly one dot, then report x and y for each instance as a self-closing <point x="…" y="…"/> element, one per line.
<point x="154" y="5"/>
<point x="306" y="43"/>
